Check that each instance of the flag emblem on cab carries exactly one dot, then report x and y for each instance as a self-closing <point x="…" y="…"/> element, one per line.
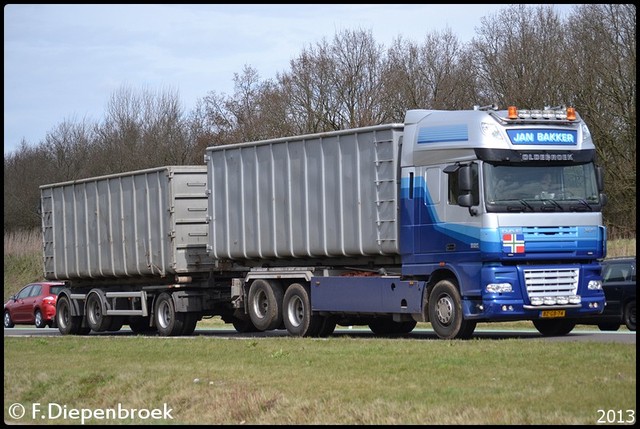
<point x="513" y="243"/>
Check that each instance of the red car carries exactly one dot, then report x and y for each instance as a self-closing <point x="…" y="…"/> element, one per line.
<point x="35" y="304"/>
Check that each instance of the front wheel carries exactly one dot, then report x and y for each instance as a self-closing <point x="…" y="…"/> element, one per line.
<point x="8" y="323"/>
<point x="629" y="315"/>
<point x="445" y="312"/>
<point x="554" y="328"/>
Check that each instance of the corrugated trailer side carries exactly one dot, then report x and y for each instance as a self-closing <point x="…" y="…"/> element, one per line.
<point x="146" y="223"/>
<point x="323" y="195"/>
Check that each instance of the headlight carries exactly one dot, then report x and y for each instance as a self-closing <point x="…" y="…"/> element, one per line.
<point x="595" y="285"/>
<point x="499" y="288"/>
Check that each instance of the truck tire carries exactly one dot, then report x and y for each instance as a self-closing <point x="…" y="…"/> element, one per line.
<point x="68" y="324"/>
<point x="554" y="327"/>
<point x="299" y="320"/>
<point x="629" y="315"/>
<point x="169" y="322"/>
<point x="94" y="309"/>
<point x="265" y="303"/>
<point x="445" y="312"/>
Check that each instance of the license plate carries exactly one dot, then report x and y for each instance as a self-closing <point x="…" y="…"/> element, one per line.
<point x="552" y="313"/>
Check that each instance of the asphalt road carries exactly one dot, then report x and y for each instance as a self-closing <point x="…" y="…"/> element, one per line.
<point x="622" y="336"/>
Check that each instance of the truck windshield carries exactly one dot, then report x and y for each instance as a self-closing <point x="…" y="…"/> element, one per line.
<point x="544" y="188"/>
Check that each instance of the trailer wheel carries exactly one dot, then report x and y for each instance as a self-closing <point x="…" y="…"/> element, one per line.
<point x="67" y="324"/>
<point x="168" y="321"/>
<point x="629" y="315"/>
<point x="554" y="328"/>
<point x="96" y="319"/>
<point x="265" y="302"/>
<point x="298" y="317"/>
<point x="445" y="312"/>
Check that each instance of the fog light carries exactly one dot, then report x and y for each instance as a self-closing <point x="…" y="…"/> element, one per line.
<point x="575" y="299"/>
<point x="536" y="301"/>
<point x="549" y="300"/>
<point x="562" y="300"/>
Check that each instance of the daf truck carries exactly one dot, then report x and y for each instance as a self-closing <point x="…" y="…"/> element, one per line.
<point x="452" y="218"/>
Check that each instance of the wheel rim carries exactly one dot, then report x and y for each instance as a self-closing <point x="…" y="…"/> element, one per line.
<point x="7" y="319"/>
<point x="260" y="304"/>
<point x="444" y="310"/>
<point x="38" y="318"/>
<point x="295" y="311"/>
<point x="95" y="312"/>
<point x="63" y="315"/>
<point x="164" y="314"/>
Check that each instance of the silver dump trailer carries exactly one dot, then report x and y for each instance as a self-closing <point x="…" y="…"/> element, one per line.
<point x="143" y="224"/>
<point x="316" y="197"/>
<point x="122" y="242"/>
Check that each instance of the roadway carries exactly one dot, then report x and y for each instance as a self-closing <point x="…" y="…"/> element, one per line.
<point x="621" y="336"/>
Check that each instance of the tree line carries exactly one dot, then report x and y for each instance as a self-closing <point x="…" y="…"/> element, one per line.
<point x="523" y="55"/>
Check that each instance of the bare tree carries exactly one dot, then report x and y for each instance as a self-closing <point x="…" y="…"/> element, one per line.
<point x="603" y="37"/>
<point x="520" y="58"/>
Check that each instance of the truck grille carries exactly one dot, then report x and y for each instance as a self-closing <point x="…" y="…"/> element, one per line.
<point x="545" y="282"/>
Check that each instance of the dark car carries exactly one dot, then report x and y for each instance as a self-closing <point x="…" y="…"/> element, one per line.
<point x="35" y="304"/>
<point x="619" y="284"/>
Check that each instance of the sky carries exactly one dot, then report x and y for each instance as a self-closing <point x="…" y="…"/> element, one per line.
<point x="64" y="62"/>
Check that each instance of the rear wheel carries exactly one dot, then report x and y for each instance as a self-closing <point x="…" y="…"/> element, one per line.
<point x="445" y="312"/>
<point x="554" y="328"/>
<point x="169" y="322"/>
<point x="629" y="315"/>
<point x="265" y="302"/>
<point x="39" y="319"/>
<point x="96" y="317"/>
<point x="68" y="324"/>
<point x="298" y="317"/>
